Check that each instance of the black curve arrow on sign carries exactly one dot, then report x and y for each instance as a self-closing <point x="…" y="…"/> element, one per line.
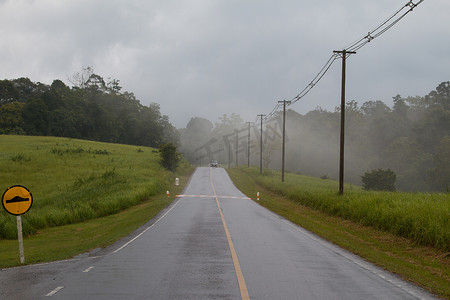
<point x="17" y="199"/>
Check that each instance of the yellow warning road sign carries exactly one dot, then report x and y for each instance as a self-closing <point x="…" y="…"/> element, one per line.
<point x="17" y="200"/>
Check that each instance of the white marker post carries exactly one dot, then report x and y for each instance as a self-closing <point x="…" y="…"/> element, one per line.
<point x="20" y="238"/>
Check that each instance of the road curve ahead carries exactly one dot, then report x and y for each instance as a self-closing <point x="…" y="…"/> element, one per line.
<point x="211" y="243"/>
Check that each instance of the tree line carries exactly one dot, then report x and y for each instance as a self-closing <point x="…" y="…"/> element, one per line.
<point x="92" y="109"/>
<point x="412" y="139"/>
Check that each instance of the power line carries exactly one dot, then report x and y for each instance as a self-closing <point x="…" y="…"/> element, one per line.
<point x="379" y="30"/>
<point x="315" y="80"/>
<point x="358" y="44"/>
<point x="384" y="26"/>
<point x="274" y="110"/>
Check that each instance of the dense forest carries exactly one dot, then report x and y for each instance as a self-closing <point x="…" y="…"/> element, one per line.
<point x="412" y="139"/>
<point x="92" y="109"/>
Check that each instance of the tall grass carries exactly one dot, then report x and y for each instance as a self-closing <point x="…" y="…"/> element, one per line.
<point x="75" y="180"/>
<point x="421" y="217"/>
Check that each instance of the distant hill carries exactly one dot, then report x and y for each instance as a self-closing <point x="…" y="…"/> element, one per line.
<point x="92" y="109"/>
<point x="75" y="180"/>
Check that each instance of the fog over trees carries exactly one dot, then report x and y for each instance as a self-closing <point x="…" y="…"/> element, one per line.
<point x="412" y="138"/>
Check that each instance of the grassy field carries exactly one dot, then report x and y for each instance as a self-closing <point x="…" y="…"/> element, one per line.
<point x="82" y="187"/>
<point x="354" y="222"/>
<point x="74" y="180"/>
<point x="423" y="218"/>
<point x="56" y="243"/>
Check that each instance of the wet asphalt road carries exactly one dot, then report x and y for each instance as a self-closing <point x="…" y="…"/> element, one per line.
<point x="208" y="247"/>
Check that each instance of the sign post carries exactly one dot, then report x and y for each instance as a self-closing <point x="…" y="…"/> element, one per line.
<point x="17" y="200"/>
<point x="20" y="238"/>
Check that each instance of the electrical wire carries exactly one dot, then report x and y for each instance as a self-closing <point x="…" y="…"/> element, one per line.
<point x="315" y="80"/>
<point x="379" y="30"/>
<point x="268" y="116"/>
<point x="369" y="37"/>
<point x="358" y="44"/>
<point x="382" y="28"/>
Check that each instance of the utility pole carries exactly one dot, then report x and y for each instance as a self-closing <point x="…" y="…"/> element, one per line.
<point x="260" y="146"/>
<point x="229" y="155"/>
<point x="248" y="145"/>
<point x="219" y="154"/>
<point x="284" y="137"/>
<point x="236" y="144"/>
<point x="343" y="54"/>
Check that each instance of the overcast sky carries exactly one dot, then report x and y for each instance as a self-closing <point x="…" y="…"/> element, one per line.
<point x="207" y="58"/>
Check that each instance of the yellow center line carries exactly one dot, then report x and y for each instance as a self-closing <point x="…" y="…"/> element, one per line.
<point x="237" y="266"/>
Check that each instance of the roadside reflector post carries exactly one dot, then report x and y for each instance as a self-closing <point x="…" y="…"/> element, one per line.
<point x="168" y="194"/>
<point x="177" y="181"/>
<point x="20" y="238"/>
<point x="257" y="196"/>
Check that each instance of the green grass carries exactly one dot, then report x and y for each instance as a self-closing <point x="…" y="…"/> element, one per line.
<point x="426" y="266"/>
<point x="420" y="217"/>
<point x="55" y="243"/>
<point x="75" y="180"/>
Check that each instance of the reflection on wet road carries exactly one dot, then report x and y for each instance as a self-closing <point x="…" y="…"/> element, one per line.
<point x="212" y="242"/>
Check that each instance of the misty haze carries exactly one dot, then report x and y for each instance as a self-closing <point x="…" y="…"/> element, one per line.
<point x="411" y="138"/>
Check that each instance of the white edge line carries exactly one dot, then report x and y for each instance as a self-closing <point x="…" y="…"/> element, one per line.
<point x="88" y="269"/>
<point x="140" y="234"/>
<point x="398" y="282"/>
<point x="54" y="291"/>
<point x="115" y="251"/>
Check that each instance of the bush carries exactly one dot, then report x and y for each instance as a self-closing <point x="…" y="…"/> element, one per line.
<point x="170" y="158"/>
<point x="379" y="180"/>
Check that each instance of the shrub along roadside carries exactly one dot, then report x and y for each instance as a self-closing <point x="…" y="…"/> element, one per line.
<point x="422" y="265"/>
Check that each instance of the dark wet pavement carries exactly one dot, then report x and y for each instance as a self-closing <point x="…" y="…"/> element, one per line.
<point x="184" y="253"/>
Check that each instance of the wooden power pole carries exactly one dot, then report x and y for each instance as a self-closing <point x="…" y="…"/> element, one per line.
<point x="248" y="145"/>
<point x="236" y="145"/>
<point x="343" y="54"/>
<point x="260" y="146"/>
<point x="283" y="151"/>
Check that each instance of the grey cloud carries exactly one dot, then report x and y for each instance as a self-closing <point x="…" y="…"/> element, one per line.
<point x="208" y="57"/>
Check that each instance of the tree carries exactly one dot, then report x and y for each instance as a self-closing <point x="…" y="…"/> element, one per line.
<point x="113" y="86"/>
<point x="11" y="121"/>
<point x="375" y="108"/>
<point x="170" y="158"/>
<point x="93" y="109"/>
<point x="197" y="132"/>
<point x="8" y="93"/>
<point x="400" y="107"/>
<point x="379" y="180"/>
<point x="410" y="162"/>
<point x="434" y="125"/>
<point x="227" y="125"/>
<point x="440" y="97"/>
<point x="439" y="176"/>
<point x="35" y="116"/>
<point x="271" y="146"/>
<point x="402" y="152"/>
<point x="80" y="79"/>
